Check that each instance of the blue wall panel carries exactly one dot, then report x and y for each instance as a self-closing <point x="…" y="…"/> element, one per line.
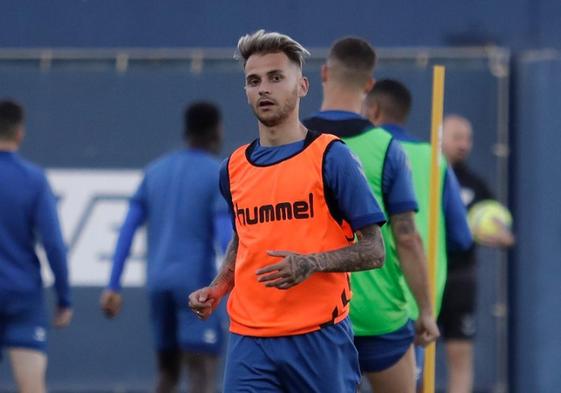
<point x="537" y="268"/>
<point x="90" y="23"/>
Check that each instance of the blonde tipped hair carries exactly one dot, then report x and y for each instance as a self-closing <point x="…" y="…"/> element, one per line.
<point x="262" y="42"/>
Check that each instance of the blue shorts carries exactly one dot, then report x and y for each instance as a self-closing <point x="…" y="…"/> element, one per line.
<point x="420" y="363"/>
<point x="176" y="327"/>
<point x="378" y="353"/>
<point x="23" y="321"/>
<point x="324" y="361"/>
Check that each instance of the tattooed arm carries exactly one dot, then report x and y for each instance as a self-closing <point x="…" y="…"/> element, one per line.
<point x="367" y="253"/>
<point x="205" y="300"/>
<point x="414" y="266"/>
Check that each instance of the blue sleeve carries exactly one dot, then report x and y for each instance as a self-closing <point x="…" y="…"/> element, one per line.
<point x="222" y="221"/>
<point x="48" y="227"/>
<point x="225" y="190"/>
<point x="397" y="183"/>
<point x="458" y="235"/>
<point x="223" y="229"/>
<point x="135" y="218"/>
<point x="344" y="176"/>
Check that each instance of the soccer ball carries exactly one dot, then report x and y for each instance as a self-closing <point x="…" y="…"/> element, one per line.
<point x="488" y="218"/>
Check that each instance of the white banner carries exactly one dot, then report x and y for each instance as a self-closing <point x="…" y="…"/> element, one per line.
<point x="92" y="207"/>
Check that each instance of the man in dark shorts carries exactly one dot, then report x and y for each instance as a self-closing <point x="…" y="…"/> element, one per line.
<point x="457" y="317"/>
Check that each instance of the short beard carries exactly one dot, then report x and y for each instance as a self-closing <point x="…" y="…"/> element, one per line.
<point x="284" y="112"/>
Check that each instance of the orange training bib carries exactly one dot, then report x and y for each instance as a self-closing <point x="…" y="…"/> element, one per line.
<point x="283" y="207"/>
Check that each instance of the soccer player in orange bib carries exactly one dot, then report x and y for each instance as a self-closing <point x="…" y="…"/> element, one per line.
<point x="297" y="199"/>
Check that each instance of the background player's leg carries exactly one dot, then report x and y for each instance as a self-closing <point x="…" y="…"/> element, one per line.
<point x="399" y="378"/>
<point x="459" y="354"/>
<point x="419" y="367"/>
<point x="169" y="367"/>
<point x="202" y="369"/>
<point x="164" y="321"/>
<point x="29" y="368"/>
<point x="459" y="329"/>
<point x="201" y="345"/>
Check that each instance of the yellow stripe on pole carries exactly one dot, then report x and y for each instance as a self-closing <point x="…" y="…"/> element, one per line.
<point x="435" y="194"/>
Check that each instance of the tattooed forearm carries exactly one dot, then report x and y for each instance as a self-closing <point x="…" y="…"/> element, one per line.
<point x="225" y="278"/>
<point x="368" y="253"/>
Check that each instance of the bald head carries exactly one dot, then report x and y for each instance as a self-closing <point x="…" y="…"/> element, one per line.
<point x="456" y="138"/>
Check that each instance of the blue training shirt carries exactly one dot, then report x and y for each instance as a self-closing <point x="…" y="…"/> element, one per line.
<point x="343" y="176"/>
<point x="458" y="235"/>
<point x="27" y="215"/>
<point x="180" y="201"/>
<point x="397" y="185"/>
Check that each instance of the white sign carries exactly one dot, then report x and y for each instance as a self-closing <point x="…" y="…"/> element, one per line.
<point x="92" y="207"/>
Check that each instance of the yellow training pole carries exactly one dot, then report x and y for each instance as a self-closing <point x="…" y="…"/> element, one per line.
<point x="435" y="191"/>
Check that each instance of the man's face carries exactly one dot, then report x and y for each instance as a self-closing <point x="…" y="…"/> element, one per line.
<point x="456" y="140"/>
<point x="273" y="85"/>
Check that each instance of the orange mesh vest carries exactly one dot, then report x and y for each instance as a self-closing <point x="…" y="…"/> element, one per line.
<point x="283" y="207"/>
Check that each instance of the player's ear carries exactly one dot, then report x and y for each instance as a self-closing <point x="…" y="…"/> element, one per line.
<point x="364" y="109"/>
<point x="370" y="110"/>
<point x="369" y="85"/>
<point x="304" y="86"/>
<point x="324" y="73"/>
<point x="20" y="134"/>
<point x="246" y="94"/>
<point x="376" y="109"/>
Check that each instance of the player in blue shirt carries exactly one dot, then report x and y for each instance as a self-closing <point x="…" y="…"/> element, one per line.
<point x="346" y="79"/>
<point x="27" y="215"/>
<point x="180" y="202"/>
<point x="388" y="105"/>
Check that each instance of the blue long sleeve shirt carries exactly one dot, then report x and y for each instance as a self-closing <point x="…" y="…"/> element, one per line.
<point x="186" y="218"/>
<point x="28" y="214"/>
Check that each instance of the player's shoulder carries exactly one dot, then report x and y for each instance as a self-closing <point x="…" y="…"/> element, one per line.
<point x="338" y="151"/>
<point x="397" y="162"/>
<point x="32" y="171"/>
<point x="396" y="151"/>
<point x="159" y="163"/>
<point x="196" y="159"/>
<point x="223" y="165"/>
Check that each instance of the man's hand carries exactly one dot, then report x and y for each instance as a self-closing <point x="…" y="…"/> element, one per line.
<point x="111" y="303"/>
<point x="426" y="330"/>
<point x="503" y="238"/>
<point x="204" y="301"/>
<point x="292" y="270"/>
<point x="63" y="317"/>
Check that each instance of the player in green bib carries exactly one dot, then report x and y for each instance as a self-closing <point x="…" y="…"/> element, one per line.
<point x="380" y="310"/>
<point x="388" y="104"/>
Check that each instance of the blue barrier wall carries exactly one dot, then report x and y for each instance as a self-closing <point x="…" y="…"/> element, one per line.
<point x="95" y="23"/>
<point x="537" y="268"/>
